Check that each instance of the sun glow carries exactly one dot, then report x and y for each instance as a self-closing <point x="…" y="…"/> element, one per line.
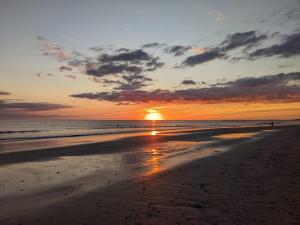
<point x="153" y="115"/>
<point x="154" y="132"/>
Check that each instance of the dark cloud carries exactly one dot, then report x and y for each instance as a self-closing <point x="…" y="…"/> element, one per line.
<point x="289" y="47"/>
<point x="177" y="50"/>
<point x="126" y="82"/>
<point x="107" y="82"/>
<point x="65" y="68"/>
<point x="4" y="93"/>
<point x="133" y="82"/>
<point x="112" y="69"/>
<point x="130" y="67"/>
<point x="135" y="56"/>
<point x="30" y="106"/>
<point x="136" y="77"/>
<point x="203" y="57"/>
<point x="123" y="68"/>
<point x="153" y="45"/>
<point x="281" y="79"/>
<point x="129" y="96"/>
<point x="271" y="88"/>
<point x="245" y="39"/>
<point x="154" y="64"/>
<point x="188" y="82"/>
<point x="135" y="62"/>
<point x="18" y="109"/>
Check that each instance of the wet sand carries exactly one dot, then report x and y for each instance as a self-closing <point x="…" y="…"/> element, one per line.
<point x="243" y="179"/>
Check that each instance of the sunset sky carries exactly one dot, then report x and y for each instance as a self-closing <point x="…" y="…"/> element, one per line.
<point x="192" y="59"/>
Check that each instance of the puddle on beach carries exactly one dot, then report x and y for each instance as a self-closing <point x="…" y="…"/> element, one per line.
<point x="70" y="170"/>
<point x="48" y="182"/>
<point x="273" y="130"/>
<point x="237" y="135"/>
<point x="164" y="156"/>
<point x="86" y="173"/>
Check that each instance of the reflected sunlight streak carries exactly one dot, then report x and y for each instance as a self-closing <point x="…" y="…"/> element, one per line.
<point x="154" y="162"/>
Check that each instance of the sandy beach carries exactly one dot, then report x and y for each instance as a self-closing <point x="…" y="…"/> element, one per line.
<point x="246" y="175"/>
<point x="149" y="112"/>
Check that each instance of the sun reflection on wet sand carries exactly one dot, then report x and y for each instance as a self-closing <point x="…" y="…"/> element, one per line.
<point x="163" y="156"/>
<point x="154" y="162"/>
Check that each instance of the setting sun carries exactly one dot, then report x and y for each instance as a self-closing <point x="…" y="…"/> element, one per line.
<point x="153" y="115"/>
<point x="123" y="117"/>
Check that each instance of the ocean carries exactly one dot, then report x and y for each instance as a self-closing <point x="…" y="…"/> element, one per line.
<point x="43" y="133"/>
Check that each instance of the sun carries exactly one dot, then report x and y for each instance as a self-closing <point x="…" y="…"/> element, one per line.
<point x="153" y="115"/>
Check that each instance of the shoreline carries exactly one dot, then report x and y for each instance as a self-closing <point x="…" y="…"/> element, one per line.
<point x="10" y="143"/>
<point x="94" y="140"/>
<point x="248" y="184"/>
<point x="113" y="146"/>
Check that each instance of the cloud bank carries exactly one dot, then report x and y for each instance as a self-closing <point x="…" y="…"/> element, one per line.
<point x="270" y="88"/>
<point x="125" y="69"/>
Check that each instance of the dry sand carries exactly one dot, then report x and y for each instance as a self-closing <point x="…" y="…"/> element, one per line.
<point x="256" y="182"/>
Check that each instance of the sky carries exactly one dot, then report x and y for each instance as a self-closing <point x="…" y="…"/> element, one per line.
<point x="118" y="59"/>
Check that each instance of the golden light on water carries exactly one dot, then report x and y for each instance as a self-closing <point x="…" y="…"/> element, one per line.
<point x="153" y="115"/>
